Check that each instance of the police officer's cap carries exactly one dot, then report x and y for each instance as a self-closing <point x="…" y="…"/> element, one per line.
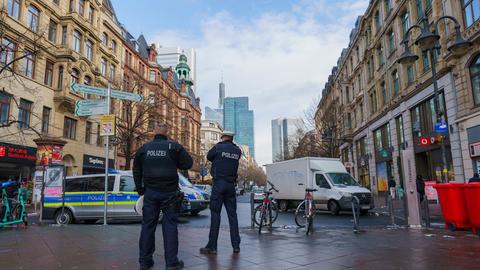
<point x="227" y="133"/>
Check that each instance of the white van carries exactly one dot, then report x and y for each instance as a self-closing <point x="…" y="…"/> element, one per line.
<point x="335" y="186"/>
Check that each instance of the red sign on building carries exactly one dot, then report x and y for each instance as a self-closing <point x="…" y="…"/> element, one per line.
<point x="425" y="141"/>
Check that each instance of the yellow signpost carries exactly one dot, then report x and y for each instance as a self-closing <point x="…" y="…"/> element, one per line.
<point x="107" y="125"/>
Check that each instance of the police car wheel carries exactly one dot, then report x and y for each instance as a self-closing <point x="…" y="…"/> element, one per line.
<point x="194" y="213"/>
<point x="66" y="218"/>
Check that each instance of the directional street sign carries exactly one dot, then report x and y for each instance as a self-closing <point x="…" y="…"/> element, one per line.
<point x="91" y="107"/>
<point x="81" y="88"/>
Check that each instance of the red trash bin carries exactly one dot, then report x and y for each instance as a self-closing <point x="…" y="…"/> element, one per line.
<point x="472" y="198"/>
<point x="453" y="204"/>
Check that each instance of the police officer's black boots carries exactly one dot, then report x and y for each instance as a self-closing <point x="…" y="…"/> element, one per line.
<point x="179" y="265"/>
<point x="206" y="250"/>
<point x="236" y="250"/>
<point x="146" y="266"/>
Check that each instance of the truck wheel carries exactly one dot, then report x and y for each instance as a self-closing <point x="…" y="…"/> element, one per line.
<point x="283" y="205"/>
<point x="66" y="218"/>
<point x="333" y="207"/>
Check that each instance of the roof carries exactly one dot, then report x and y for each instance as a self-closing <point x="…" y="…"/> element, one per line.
<point x="142" y="46"/>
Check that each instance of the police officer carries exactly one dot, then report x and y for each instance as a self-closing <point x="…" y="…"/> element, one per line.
<point x="225" y="157"/>
<point x="155" y="173"/>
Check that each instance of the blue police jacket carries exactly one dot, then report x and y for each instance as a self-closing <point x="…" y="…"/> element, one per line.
<point x="225" y="157"/>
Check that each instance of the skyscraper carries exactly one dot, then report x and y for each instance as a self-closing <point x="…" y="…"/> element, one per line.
<point x="238" y="118"/>
<point x="221" y="94"/>
<point x="283" y="137"/>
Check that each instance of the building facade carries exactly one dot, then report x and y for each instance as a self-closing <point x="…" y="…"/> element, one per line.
<point x="386" y="109"/>
<point x="238" y="118"/>
<point x="284" y="137"/>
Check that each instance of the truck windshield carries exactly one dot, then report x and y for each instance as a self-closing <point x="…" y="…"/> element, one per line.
<point x="342" y="179"/>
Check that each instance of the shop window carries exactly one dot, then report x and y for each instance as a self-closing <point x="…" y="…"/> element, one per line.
<point x="382" y="138"/>
<point x="52" y="31"/>
<point x="4" y="107"/>
<point x="424" y="117"/>
<point x="48" y="80"/>
<point x="29" y="64"/>
<point x="88" y="132"/>
<point x="45" y="119"/>
<point x="24" y="113"/>
<point x="8" y="51"/>
<point x="13" y="8"/>
<point x="475" y="79"/>
<point x="400" y="132"/>
<point x="69" y="128"/>
<point x="33" y="15"/>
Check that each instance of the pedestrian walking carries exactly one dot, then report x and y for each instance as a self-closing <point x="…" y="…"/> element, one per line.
<point x="420" y="187"/>
<point x="156" y="177"/>
<point x="225" y="157"/>
<point x="392" y="187"/>
<point x="474" y="179"/>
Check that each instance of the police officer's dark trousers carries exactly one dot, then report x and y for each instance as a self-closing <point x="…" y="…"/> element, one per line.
<point x="155" y="201"/>
<point x="223" y="192"/>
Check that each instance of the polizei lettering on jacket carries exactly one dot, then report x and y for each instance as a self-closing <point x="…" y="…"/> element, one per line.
<point x="156" y="153"/>
<point x="230" y="155"/>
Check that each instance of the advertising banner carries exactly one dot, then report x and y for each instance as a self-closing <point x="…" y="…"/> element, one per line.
<point x="382" y="177"/>
<point x="54" y="181"/>
<point x="49" y="154"/>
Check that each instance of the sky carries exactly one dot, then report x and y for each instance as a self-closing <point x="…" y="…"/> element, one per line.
<point x="279" y="53"/>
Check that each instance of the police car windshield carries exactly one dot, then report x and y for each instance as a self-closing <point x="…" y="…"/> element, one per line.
<point x="184" y="181"/>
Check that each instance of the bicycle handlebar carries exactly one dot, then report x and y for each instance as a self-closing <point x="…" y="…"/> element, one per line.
<point x="272" y="186"/>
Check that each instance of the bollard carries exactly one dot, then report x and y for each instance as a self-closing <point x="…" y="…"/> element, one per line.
<point x="356" y="214"/>
<point x="391" y="210"/>
<point x="252" y="209"/>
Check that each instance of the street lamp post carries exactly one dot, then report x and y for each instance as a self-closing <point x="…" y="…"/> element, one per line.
<point x="428" y="42"/>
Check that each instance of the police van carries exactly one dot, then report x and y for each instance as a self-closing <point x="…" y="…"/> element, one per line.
<point x="84" y="199"/>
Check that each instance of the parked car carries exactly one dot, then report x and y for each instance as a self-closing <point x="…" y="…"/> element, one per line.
<point x="84" y="199"/>
<point x="206" y="188"/>
<point x="335" y="186"/>
<point x="239" y="190"/>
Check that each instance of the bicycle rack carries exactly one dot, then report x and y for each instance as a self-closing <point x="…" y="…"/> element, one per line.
<point x="356" y="214"/>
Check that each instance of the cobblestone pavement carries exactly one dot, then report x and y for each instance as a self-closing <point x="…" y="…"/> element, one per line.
<point x="116" y="247"/>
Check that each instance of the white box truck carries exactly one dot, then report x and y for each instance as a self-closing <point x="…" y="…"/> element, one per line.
<point x="335" y="186"/>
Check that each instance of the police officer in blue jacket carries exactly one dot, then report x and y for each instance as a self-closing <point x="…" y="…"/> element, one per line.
<point x="225" y="157"/>
<point x="155" y="174"/>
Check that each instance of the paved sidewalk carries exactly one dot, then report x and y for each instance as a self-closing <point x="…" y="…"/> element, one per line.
<point x="116" y="247"/>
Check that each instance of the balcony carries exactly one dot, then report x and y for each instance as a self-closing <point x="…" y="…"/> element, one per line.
<point x="63" y="101"/>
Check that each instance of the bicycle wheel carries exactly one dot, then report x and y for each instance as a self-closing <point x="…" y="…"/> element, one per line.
<point x="262" y="218"/>
<point x="300" y="215"/>
<point x="309" y="225"/>
<point x="17" y="214"/>
<point x="257" y="214"/>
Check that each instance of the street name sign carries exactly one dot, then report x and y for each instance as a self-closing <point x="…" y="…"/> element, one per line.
<point x="91" y="107"/>
<point x="92" y="90"/>
<point x="107" y="125"/>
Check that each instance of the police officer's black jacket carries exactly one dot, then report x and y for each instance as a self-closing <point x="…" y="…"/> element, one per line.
<point x="156" y="163"/>
<point x="224" y="157"/>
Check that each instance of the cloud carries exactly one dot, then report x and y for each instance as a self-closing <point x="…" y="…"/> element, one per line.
<point x="279" y="60"/>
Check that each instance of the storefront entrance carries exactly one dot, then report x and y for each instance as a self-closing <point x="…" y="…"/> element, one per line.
<point x="429" y="164"/>
<point x="17" y="162"/>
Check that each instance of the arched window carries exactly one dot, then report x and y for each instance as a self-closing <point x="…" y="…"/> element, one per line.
<point x="475" y="78"/>
<point x="33" y="18"/>
<point x="75" y="76"/>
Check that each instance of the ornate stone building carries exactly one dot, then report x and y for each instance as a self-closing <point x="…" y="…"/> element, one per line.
<point x="386" y="108"/>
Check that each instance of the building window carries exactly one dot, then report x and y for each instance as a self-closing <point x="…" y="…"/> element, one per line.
<point x="383" y="91"/>
<point x="361" y="112"/>
<point x="381" y="138"/>
<point x="388" y="7"/>
<point x="77" y="41"/>
<point x="81" y="7"/>
<point x="400" y="133"/>
<point x="475" y="78"/>
<point x="24" y="111"/>
<point x="378" y="23"/>
<point x="89" y="50"/>
<point x="45" y="119"/>
<point x="52" y="31"/>
<point x="56" y="2"/>
<point x="48" y="73"/>
<point x="373" y="103"/>
<point x="103" y="67"/>
<point x="71" y="6"/>
<point x="152" y="75"/>
<point x="88" y="133"/>
<point x="13" y="8"/>
<point x="4" y="107"/>
<point x="347" y="93"/>
<point x="75" y="76"/>
<point x="91" y="14"/>
<point x="69" y="128"/>
<point x="105" y="39"/>
<point x="395" y="83"/>
<point x="381" y="59"/>
<point x="426" y="62"/>
<point x="428" y="5"/>
<point x="424" y="117"/>
<point x="29" y="64"/>
<point x="471" y="10"/>
<point x="410" y="73"/>
<point x="391" y="41"/>
<point x="87" y="81"/>
<point x="8" y="51"/>
<point x="99" y="138"/>
<point x="405" y="23"/>
<point x="419" y="9"/>
<point x="112" y="73"/>
<point x="64" y="35"/>
<point x="32" y="18"/>
<point x="113" y="45"/>
<point x="60" y="78"/>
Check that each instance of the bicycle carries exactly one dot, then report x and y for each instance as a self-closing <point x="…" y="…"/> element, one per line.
<point x="305" y="211"/>
<point x="12" y="210"/>
<point x="267" y="212"/>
